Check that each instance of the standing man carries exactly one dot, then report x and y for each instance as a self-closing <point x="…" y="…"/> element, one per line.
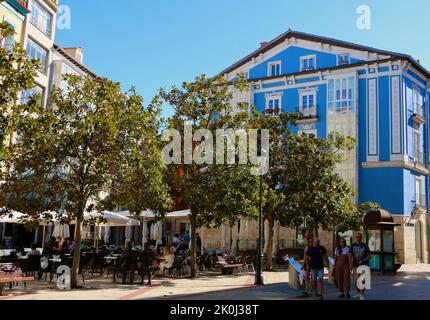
<point x="316" y="257"/>
<point x="187" y="237"/>
<point x="360" y="256"/>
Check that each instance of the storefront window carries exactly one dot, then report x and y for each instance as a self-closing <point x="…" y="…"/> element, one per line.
<point x="374" y="240"/>
<point x="388" y="240"/>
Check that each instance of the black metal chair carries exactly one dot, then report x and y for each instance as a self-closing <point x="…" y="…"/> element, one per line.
<point x="177" y="267"/>
<point x="33" y="266"/>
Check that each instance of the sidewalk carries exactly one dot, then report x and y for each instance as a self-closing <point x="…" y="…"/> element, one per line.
<point x="102" y="288"/>
<point x="411" y="283"/>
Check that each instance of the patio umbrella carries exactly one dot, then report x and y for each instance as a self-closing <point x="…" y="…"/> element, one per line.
<point x="12" y="217"/>
<point x="106" y="234"/>
<point x="127" y="234"/>
<point x="61" y="231"/>
<point x="112" y="219"/>
<point x="158" y="232"/>
<point x="144" y="232"/>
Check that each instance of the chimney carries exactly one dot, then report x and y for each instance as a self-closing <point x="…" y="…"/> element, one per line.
<point x="263" y="44"/>
<point x="418" y="60"/>
<point x="75" y="53"/>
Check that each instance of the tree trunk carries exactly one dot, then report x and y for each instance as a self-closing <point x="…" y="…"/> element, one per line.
<point x="193" y="246"/>
<point x="76" y="254"/>
<point x="269" y="252"/>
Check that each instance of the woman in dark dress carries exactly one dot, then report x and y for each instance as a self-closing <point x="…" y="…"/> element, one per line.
<point x="343" y="267"/>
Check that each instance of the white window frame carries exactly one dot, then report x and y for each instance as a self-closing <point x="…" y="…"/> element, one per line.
<point x="32" y="93"/>
<point x="419" y="191"/>
<point x="273" y="97"/>
<point x="308" y="92"/>
<point x="343" y="54"/>
<point x="43" y="67"/>
<point x="302" y="62"/>
<point x="418" y="142"/>
<point x="271" y="64"/>
<point x="245" y="74"/>
<point x="40" y="21"/>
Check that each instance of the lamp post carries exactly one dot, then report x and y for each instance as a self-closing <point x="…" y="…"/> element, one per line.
<point x="259" y="272"/>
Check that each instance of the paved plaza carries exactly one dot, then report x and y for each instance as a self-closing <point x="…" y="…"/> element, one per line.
<point x="411" y="283"/>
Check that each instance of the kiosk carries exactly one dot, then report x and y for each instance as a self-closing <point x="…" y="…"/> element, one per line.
<point x="379" y="234"/>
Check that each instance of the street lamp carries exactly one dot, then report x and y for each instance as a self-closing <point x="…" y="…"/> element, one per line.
<point x="260" y="254"/>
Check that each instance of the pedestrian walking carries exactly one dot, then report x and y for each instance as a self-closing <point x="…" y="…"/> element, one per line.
<point x="317" y="258"/>
<point x="343" y="268"/>
<point x="360" y="256"/>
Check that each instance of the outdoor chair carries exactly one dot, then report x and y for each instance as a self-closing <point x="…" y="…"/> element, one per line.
<point x="33" y="266"/>
<point x="47" y="267"/>
<point x="249" y="263"/>
<point x="177" y="267"/>
<point x="201" y="262"/>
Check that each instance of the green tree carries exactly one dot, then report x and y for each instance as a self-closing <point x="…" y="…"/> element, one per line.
<point x="73" y="152"/>
<point x="315" y="192"/>
<point x="273" y="194"/>
<point x="17" y="74"/>
<point x="214" y="193"/>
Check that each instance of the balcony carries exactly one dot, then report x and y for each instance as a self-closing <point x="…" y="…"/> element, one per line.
<point x="418" y="114"/>
<point x="43" y="24"/>
<point x="309" y="114"/>
<point x="20" y="5"/>
<point x="274" y="111"/>
<point x="23" y="3"/>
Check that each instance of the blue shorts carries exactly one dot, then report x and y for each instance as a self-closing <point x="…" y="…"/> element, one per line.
<point x="318" y="274"/>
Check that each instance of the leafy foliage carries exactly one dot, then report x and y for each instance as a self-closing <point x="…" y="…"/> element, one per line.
<point x="214" y="193"/>
<point x="93" y="140"/>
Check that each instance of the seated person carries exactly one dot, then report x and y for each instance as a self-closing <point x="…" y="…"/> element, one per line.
<point x="182" y="247"/>
<point x="84" y="246"/>
<point x="33" y="251"/>
<point x="147" y="258"/>
<point x="128" y="262"/>
<point x="169" y="256"/>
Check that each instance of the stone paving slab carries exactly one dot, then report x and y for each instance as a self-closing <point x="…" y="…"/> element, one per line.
<point x="411" y="283"/>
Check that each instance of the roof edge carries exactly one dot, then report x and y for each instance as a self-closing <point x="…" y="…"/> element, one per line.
<point x="305" y="36"/>
<point x="74" y="61"/>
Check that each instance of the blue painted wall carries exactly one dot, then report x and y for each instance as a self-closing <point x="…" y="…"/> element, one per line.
<point x="383" y="186"/>
<point x="384" y="119"/>
<point x="392" y="188"/>
<point x="290" y="61"/>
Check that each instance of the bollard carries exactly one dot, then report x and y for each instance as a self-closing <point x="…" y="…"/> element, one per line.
<point x="294" y="270"/>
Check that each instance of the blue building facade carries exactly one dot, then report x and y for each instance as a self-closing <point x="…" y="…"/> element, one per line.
<point x="381" y="98"/>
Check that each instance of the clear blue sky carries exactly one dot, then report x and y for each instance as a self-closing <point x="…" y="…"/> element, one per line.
<point x="153" y="44"/>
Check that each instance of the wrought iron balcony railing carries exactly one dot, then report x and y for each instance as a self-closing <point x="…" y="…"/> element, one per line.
<point x="43" y="24"/>
<point x="308" y="112"/>
<point x="418" y="115"/>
